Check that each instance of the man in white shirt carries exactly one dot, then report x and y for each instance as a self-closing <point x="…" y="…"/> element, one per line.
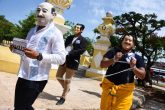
<point x="45" y="46"/>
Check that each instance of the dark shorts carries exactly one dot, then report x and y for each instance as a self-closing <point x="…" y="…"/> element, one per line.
<point x="72" y="64"/>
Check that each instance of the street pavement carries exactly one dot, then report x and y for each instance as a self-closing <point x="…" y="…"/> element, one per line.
<point x="84" y="94"/>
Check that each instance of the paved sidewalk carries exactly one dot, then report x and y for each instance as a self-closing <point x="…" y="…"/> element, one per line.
<point x="84" y="94"/>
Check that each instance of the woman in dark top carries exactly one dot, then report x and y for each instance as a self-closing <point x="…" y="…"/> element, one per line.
<point x="118" y="84"/>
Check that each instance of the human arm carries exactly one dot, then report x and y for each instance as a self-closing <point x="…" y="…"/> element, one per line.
<point x="106" y="62"/>
<point x="138" y="71"/>
<point x="57" y="55"/>
<point x="110" y="59"/>
<point x="31" y="53"/>
<point x="52" y="52"/>
<point x="79" y="48"/>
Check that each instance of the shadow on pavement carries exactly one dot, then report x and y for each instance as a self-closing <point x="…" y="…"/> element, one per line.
<point x="92" y="93"/>
<point x="45" y="95"/>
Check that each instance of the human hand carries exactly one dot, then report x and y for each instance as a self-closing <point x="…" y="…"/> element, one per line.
<point x="31" y="53"/>
<point x="133" y="62"/>
<point x="118" y="56"/>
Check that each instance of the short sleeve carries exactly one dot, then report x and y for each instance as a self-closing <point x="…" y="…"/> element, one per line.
<point x="110" y="54"/>
<point x="140" y="61"/>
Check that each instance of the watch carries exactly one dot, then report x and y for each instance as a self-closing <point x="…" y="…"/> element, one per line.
<point x="39" y="57"/>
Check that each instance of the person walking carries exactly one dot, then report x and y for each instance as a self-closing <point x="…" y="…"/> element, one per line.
<point x="75" y="46"/>
<point x="118" y="84"/>
<point x="45" y="46"/>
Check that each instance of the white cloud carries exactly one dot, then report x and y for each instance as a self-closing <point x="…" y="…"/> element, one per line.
<point x="89" y="34"/>
<point x="161" y="32"/>
<point x="98" y="12"/>
<point x="145" y="7"/>
<point x="93" y="21"/>
<point x="97" y="8"/>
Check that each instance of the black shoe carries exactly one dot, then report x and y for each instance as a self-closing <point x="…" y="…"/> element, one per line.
<point x="61" y="101"/>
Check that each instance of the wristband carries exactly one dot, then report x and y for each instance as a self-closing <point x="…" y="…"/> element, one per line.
<point x="39" y="57"/>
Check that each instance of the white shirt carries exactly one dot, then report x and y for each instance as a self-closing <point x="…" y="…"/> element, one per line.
<point x="70" y="47"/>
<point x="48" y="41"/>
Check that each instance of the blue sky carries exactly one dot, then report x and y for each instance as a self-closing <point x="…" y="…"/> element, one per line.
<point x="87" y="12"/>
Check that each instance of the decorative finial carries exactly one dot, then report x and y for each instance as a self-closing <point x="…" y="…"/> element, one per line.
<point x="106" y="28"/>
<point x="60" y="5"/>
<point x="109" y="14"/>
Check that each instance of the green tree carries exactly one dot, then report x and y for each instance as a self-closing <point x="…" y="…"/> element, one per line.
<point x="7" y="30"/>
<point x="143" y="27"/>
<point x="89" y="46"/>
<point x="25" y="25"/>
<point x="114" y="39"/>
<point x="97" y="33"/>
<point x="70" y="32"/>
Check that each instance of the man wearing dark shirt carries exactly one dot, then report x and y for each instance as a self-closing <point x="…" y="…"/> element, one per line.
<point x="118" y="84"/>
<point x="75" y="46"/>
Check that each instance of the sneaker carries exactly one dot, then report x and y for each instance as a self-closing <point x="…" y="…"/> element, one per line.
<point x="61" y="101"/>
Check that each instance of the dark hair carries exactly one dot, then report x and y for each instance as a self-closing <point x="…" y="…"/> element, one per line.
<point x="123" y="36"/>
<point x="53" y="10"/>
<point x="82" y="26"/>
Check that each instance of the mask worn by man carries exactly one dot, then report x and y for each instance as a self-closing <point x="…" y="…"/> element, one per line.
<point x="45" y="14"/>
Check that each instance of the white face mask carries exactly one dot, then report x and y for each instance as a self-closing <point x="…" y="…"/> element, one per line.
<point x="44" y="14"/>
